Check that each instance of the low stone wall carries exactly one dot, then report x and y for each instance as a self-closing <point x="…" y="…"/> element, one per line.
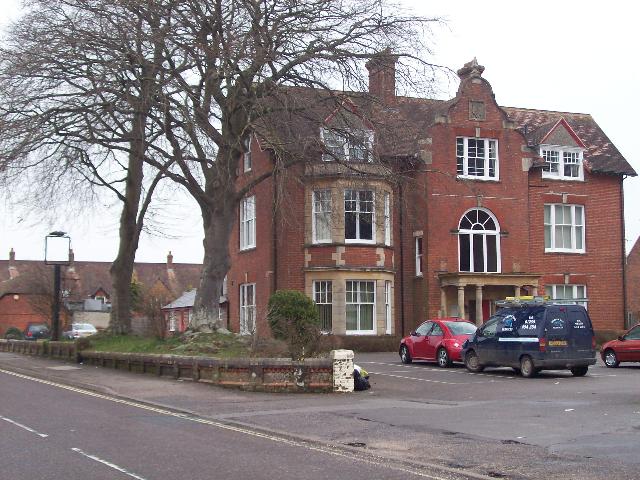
<point x="255" y="374"/>
<point x="56" y="350"/>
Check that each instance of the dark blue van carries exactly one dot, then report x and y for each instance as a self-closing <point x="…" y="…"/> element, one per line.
<point x="533" y="336"/>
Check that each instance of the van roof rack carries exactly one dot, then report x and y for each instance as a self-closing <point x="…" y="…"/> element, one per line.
<point x="532" y="300"/>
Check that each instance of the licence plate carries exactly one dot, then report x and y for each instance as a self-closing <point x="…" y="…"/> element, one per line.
<point x="557" y="343"/>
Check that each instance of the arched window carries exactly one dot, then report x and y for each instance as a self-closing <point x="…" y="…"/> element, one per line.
<point x="479" y="242"/>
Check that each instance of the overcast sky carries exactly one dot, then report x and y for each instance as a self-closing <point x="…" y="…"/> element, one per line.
<point x="571" y="56"/>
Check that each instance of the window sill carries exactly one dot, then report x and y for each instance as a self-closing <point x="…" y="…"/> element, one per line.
<point x="248" y="249"/>
<point x="562" y="179"/>
<point x="359" y="242"/>
<point x="571" y="252"/>
<point x="479" y="179"/>
<point x="363" y="333"/>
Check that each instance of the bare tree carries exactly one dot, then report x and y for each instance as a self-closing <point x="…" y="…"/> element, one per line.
<point x="260" y="68"/>
<point x="78" y="80"/>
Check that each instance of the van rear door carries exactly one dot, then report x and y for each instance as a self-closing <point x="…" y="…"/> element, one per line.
<point x="556" y="333"/>
<point x="580" y="332"/>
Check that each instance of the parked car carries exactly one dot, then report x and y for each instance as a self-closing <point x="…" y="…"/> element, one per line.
<point x="79" y="330"/>
<point x="37" y="331"/>
<point x="437" y="340"/>
<point x="626" y="348"/>
<point x="533" y="336"/>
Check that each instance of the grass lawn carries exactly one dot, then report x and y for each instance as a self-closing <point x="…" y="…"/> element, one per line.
<point x="202" y="344"/>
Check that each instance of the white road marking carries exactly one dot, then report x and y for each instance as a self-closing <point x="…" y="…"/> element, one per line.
<point x="326" y="449"/>
<point x="441" y="370"/>
<point x="42" y="435"/>
<point x="108" y="464"/>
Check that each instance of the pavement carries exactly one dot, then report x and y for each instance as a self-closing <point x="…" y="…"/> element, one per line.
<point x="422" y="416"/>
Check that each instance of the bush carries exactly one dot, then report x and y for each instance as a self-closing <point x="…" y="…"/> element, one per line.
<point x="13" y="333"/>
<point x="293" y="317"/>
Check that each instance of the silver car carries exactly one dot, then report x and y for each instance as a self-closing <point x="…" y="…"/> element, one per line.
<point x="79" y="330"/>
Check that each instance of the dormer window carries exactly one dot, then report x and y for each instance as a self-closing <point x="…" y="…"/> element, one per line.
<point x="347" y="146"/>
<point x="562" y="162"/>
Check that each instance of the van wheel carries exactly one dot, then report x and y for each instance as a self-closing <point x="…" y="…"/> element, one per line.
<point x="611" y="359"/>
<point x="472" y="362"/>
<point x="579" y="371"/>
<point x="444" y="360"/>
<point x="527" y="370"/>
<point x="405" y="356"/>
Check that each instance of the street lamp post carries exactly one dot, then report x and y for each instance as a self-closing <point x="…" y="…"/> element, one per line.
<point x="56" y="252"/>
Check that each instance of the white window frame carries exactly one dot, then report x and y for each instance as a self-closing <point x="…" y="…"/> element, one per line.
<point x="419" y="244"/>
<point x="488" y="143"/>
<point x="359" y="303"/>
<point x="247" y="310"/>
<point x="323" y="295"/>
<point x="387" y="219"/>
<point x="484" y="233"/>
<point x="246" y="157"/>
<point x="387" y="306"/>
<point x="552" y="225"/>
<point x="316" y="207"/>
<point x="562" y="152"/>
<point x="334" y="139"/>
<point x="552" y="291"/>
<point x="173" y="324"/>
<point x="248" y="223"/>
<point x="358" y="239"/>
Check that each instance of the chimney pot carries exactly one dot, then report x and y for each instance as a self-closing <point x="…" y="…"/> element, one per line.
<point x="169" y="258"/>
<point x="12" y="255"/>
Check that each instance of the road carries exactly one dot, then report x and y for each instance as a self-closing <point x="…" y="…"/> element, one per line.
<point x="417" y="421"/>
<point x="49" y="432"/>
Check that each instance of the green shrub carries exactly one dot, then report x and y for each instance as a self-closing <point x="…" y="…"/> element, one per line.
<point x="293" y="318"/>
<point x="13" y="333"/>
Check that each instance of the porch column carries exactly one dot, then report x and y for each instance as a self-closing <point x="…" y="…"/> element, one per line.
<point x="461" y="302"/>
<point x="517" y="290"/>
<point x="443" y="302"/>
<point x="535" y="291"/>
<point x="479" y="319"/>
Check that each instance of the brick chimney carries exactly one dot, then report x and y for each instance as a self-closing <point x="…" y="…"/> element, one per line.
<point x="382" y="75"/>
<point x="13" y="271"/>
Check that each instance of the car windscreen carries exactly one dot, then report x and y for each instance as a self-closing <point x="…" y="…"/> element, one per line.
<point x="38" y="328"/>
<point x="461" y="328"/>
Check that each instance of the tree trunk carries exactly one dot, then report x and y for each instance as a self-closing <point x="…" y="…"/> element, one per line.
<point x="218" y="223"/>
<point x="130" y="227"/>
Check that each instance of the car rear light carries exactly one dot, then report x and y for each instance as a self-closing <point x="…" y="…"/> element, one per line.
<point x="543" y="344"/>
<point x="29" y="334"/>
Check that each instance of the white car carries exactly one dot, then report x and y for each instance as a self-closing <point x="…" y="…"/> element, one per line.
<point x="79" y="330"/>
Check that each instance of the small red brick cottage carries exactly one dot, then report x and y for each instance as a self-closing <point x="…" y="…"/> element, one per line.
<point x="412" y="208"/>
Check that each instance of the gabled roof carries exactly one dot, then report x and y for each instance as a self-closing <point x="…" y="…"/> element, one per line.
<point x="601" y="154"/>
<point x="187" y="299"/>
<point x="401" y="126"/>
<point x="82" y="279"/>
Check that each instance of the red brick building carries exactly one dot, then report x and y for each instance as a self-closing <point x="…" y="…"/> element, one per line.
<point x="632" y="282"/>
<point x="26" y="288"/>
<point x="412" y="208"/>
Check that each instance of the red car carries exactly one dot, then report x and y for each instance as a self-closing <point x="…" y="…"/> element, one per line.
<point x="625" y="349"/>
<point x="437" y="340"/>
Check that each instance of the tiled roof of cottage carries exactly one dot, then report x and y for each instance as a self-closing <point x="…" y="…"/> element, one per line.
<point x="187" y="299"/>
<point x="82" y="279"/>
